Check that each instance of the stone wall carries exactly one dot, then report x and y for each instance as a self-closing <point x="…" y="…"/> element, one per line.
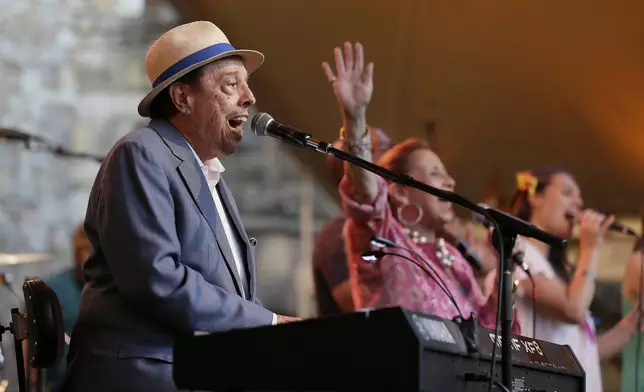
<point x="73" y="73"/>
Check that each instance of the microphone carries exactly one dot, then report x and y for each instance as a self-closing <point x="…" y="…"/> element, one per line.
<point x="385" y="243"/>
<point x="615" y="227"/>
<point x="620" y="228"/>
<point x="263" y="124"/>
<point x="382" y="243"/>
<point x="373" y="256"/>
<point x="517" y="259"/>
<point x="462" y="246"/>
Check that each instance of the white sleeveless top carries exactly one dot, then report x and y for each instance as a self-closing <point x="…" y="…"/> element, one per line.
<point x="581" y="338"/>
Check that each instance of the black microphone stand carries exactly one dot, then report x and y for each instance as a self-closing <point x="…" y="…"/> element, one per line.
<point x="508" y="227"/>
<point x="508" y="240"/>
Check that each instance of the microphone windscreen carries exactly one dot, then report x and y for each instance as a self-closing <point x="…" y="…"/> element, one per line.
<point x="259" y="123"/>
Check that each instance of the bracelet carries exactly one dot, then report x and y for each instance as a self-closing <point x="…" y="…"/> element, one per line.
<point x="358" y="147"/>
<point x="343" y="133"/>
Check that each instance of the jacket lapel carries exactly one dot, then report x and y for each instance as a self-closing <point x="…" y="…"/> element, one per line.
<point x="231" y="207"/>
<point x="199" y="190"/>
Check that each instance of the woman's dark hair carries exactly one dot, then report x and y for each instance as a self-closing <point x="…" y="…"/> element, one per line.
<point x="521" y="208"/>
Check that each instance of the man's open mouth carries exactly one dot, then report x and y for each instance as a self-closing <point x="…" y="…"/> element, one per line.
<point x="237" y="122"/>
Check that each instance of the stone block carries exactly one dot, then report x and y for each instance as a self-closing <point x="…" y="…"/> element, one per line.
<point x="129" y="8"/>
<point x="56" y="120"/>
<point x="11" y="76"/>
<point x="52" y="53"/>
<point x="51" y="77"/>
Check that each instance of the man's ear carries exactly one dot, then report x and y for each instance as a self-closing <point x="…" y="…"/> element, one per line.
<point x="180" y="97"/>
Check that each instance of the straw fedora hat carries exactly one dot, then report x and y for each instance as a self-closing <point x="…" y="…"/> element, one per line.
<point x="185" y="48"/>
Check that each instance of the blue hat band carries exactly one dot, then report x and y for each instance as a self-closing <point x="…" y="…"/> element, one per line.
<point x="189" y="61"/>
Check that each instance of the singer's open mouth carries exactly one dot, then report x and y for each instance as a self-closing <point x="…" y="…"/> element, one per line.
<point x="237" y="121"/>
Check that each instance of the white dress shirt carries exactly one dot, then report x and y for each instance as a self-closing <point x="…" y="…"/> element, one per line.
<point x="212" y="170"/>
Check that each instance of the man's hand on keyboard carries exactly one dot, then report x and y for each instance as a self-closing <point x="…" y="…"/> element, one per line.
<point x="286" y="319"/>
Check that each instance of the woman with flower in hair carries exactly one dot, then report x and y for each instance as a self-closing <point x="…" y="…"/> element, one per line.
<point x="551" y="200"/>
<point x="406" y="216"/>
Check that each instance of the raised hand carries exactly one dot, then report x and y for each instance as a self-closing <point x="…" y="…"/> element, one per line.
<point x="352" y="82"/>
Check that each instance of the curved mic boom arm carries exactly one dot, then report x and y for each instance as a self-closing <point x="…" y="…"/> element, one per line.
<point x="507" y="222"/>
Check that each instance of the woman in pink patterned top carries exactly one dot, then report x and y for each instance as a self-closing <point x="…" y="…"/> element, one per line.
<point x="403" y="215"/>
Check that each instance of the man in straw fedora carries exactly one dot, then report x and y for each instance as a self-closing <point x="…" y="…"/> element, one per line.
<point x="171" y="256"/>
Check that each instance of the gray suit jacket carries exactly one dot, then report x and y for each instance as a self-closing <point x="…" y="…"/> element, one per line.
<point x="161" y="266"/>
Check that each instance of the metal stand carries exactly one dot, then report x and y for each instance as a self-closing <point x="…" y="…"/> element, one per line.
<point x="17" y="327"/>
<point x="20" y="362"/>
<point x="507" y="315"/>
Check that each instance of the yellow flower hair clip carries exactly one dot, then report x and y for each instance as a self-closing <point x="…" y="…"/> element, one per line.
<point x="527" y="182"/>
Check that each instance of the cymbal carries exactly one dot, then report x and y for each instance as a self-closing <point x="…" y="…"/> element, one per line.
<point x="22" y="258"/>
